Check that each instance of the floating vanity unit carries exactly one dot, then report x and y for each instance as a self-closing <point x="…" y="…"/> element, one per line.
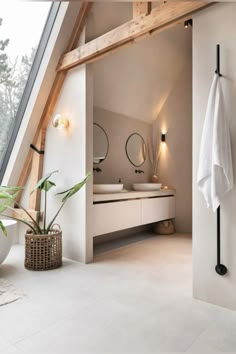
<point x="119" y="211"/>
<point x="115" y="209"/>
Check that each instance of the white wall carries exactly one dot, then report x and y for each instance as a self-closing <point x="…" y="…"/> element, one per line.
<point x="212" y="26"/>
<point x="175" y="164"/>
<point x="137" y="81"/>
<point x="70" y="152"/>
<point x="116" y="165"/>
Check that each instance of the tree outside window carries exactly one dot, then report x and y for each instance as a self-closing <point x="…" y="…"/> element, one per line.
<point x="15" y="66"/>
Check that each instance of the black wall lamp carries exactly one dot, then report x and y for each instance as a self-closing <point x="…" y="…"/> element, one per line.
<point x="188" y="23"/>
<point x="163" y="137"/>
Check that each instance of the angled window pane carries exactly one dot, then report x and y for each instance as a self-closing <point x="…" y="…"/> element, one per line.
<point x="24" y="32"/>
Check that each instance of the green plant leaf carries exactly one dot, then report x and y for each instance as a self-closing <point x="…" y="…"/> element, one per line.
<point x="21" y="220"/>
<point x="69" y="193"/>
<point x="5" y="195"/>
<point x="10" y="189"/>
<point x="47" y="185"/>
<point x="8" y="200"/>
<point x="7" y="203"/>
<point x="2" y="227"/>
<point x="42" y="181"/>
<point x="74" y="189"/>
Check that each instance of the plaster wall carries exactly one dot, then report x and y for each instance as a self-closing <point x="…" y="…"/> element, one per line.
<point x="215" y="25"/>
<point x="70" y="152"/>
<point x="116" y="165"/>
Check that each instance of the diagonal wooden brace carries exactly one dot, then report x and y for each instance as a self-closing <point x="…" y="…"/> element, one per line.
<point x="37" y="171"/>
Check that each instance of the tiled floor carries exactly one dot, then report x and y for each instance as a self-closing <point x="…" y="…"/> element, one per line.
<point x="135" y="299"/>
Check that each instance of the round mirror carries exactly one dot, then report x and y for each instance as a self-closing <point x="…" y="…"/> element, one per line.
<point x="100" y="144"/>
<point x="136" y="149"/>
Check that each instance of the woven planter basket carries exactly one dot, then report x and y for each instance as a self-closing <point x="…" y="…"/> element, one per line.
<point x="43" y="252"/>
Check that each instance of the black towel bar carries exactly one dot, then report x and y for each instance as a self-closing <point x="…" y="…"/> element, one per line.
<point x="219" y="268"/>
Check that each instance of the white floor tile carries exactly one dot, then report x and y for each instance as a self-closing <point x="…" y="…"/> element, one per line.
<point x="11" y="350"/>
<point x="219" y="336"/>
<point x="134" y="299"/>
<point x="3" y="342"/>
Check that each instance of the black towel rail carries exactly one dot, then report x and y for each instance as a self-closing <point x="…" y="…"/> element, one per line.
<point x="219" y="268"/>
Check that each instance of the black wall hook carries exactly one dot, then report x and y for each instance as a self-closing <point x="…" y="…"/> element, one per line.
<point x="218" y="60"/>
<point x="40" y="152"/>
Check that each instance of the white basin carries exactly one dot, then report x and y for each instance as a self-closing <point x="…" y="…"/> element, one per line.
<point x="107" y="188"/>
<point x="147" y="186"/>
<point x="7" y="241"/>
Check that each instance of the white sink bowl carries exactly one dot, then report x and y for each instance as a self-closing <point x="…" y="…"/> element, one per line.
<point x="147" y="186"/>
<point x="107" y="188"/>
<point x="7" y="241"/>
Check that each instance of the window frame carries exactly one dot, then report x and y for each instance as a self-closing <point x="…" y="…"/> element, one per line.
<point x="30" y="84"/>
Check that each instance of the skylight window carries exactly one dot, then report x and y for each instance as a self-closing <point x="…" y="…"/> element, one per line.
<point x="24" y="31"/>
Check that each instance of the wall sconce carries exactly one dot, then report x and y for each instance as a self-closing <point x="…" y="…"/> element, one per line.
<point x="60" y="122"/>
<point x="188" y="23"/>
<point x="163" y="138"/>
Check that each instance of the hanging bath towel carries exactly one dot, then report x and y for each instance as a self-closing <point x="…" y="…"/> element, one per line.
<point x="215" y="171"/>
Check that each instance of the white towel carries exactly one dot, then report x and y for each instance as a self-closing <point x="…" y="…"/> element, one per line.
<point x="215" y="171"/>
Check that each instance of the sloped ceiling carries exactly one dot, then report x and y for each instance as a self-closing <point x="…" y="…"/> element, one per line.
<point x="136" y="81"/>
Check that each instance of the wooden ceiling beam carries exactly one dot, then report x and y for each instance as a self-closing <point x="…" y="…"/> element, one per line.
<point x="141" y="8"/>
<point x="162" y="17"/>
<point x="79" y="25"/>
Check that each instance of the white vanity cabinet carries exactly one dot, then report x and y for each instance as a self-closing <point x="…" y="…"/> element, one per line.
<point x="157" y="209"/>
<point x="114" y="216"/>
<point x="121" y="211"/>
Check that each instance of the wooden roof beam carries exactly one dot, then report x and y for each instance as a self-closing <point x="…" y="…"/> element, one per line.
<point x="141" y="8"/>
<point x="162" y="17"/>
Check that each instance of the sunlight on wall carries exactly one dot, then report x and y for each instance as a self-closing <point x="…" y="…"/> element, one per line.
<point x="164" y="149"/>
<point x="164" y="126"/>
<point x="159" y="105"/>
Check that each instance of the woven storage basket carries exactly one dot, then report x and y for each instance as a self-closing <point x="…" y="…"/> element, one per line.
<point x="165" y="227"/>
<point x="43" y="252"/>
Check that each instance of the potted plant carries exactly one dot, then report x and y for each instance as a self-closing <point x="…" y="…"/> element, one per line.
<point x="43" y="240"/>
